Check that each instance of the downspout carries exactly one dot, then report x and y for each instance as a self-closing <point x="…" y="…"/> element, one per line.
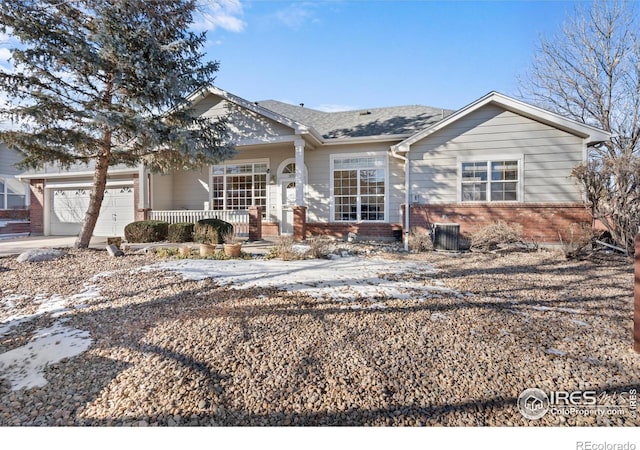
<point x="407" y="196"/>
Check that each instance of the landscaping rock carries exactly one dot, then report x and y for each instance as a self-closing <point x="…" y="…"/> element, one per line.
<point x="114" y="251"/>
<point x="173" y="352"/>
<point x="41" y="254"/>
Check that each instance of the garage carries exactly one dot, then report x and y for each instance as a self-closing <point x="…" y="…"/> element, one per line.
<point x="68" y="206"/>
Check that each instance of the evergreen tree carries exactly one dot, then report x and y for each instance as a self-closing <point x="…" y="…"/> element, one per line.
<point x="103" y="83"/>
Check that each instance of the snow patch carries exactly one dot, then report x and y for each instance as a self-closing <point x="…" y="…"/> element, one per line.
<point x="23" y="367"/>
<point x="346" y="279"/>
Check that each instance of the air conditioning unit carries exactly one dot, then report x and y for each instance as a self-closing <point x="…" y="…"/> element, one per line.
<point x="446" y="236"/>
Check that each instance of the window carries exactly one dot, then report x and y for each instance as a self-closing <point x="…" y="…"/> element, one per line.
<point x="238" y="186"/>
<point x="359" y="188"/>
<point x="12" y="193"/>
<point x="489" y="181"/>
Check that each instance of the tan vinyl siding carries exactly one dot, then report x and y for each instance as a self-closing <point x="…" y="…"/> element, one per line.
<point x="191" y="189"/>
<point x="8" y="159"/>
<point x="243" y="124"/>
<point x="162" y="192"/>
<point x="548" y="156"/>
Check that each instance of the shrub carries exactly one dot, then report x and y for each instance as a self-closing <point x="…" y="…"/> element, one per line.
<point x="180" y="232"/>
<point x="146" y="231"/>
<point x="420" y="242"/>
<point x="283" y="249"/>
<point x="287" y="249"/>
<point x="579" y="241"/>
<point x="495" y="234"/>
<point x="211" y="231"/>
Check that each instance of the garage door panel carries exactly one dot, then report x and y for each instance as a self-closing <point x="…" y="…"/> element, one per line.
<point x="69" y="206"/>
<point x="116" y="212"/>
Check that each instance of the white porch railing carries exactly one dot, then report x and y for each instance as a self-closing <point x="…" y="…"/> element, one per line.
<point x="238" y="218"/>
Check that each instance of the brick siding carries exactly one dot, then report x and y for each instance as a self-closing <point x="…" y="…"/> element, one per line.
<point x="15" y="214"/>
<point x="363" y="230"/>
<point x="541" y="222"/>
<point x="36" y="209"/>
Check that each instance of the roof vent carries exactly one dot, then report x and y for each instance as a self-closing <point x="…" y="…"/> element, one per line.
<point x="365" y="113"/>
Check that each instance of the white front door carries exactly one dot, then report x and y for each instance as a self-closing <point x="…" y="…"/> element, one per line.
<point x="288" y="189"/>
<point x="287" y="186"/>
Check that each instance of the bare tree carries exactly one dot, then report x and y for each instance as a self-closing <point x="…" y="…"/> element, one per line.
<point x="590" y="71"/>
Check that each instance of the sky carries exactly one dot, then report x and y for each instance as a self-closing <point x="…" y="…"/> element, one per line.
<point x="339" y="55"/>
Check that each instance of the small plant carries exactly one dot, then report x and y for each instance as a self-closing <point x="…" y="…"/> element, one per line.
<point x="231" y="237"/>
<point x="180" y="232"/>
<point x="580" y="239"/>
<point x="210" y="231"/>
<point x="146" y="231"/>
<point x="166" y="252"/>
<point x="287" y="249"/>
<point x="495" y="234"/>
<point x="319" y="247"/>
<point x="284" y="249"/>
<point x="420" y="242"/>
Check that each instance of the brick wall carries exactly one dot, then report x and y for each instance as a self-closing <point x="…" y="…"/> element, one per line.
<point x="270" y="229"/>
<point x="15" y="228"/>
<point x="36" y="209"/>
<point x="541" y="222"/>
<point x="16" y="214"/>
<point x="363" y="230"/>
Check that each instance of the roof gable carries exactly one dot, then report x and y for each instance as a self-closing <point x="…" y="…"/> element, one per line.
<point x="248" y="121"/>
<point x="590" y="134"/>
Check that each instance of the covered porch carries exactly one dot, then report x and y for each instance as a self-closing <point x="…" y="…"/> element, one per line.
<point x="259" y="192"/>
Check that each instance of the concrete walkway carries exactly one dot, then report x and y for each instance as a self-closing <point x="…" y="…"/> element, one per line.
<point x="17" y="245"/>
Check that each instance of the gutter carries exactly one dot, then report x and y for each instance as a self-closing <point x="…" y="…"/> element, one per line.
<point x="407" y="196"/>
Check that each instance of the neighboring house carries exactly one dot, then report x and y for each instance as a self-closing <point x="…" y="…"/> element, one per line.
<point x="305" y="172"/>
<point x="14" y="195"/>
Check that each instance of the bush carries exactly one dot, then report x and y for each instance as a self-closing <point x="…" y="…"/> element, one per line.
<point x="180" y="232"/>
<point x="579" y="240"/>
<point x="211" y="231"/>
<point x="496" y="234"/>
<point x="146" y="231"/>
<point x="420" y="242"/>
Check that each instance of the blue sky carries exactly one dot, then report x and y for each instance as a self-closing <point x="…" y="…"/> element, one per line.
<point x="358" y="54"/>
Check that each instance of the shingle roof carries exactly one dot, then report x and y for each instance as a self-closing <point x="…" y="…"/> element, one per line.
<point x="397" y="120"/>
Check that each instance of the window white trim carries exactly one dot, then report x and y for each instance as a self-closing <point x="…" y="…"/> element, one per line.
<point x="233" y="162"/>
<point x="4" y="194"/>
<point x="488" y="159"/>
<point x="332" y="203"/>
<point x="284" y="164"/>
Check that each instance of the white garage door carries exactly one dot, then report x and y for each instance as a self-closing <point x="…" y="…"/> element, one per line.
<point x="69" y="205"/>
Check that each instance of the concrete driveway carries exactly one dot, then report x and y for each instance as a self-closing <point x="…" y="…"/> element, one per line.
<point x="15" y="246"/>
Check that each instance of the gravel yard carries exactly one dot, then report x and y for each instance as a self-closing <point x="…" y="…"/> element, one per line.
<point x="427" y="339"/>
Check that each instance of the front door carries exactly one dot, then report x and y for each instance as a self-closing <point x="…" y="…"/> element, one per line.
<point x="288" y="189"/>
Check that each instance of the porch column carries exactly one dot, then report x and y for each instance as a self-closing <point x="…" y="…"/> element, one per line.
<point x="142" y="187"/>
<point x="299" y="223"/>
<point x="299" y="143"/>
<point x="255" y="223"/>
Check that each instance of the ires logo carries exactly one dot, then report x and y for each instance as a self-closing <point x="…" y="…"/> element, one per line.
<point x="534" y="403"/>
